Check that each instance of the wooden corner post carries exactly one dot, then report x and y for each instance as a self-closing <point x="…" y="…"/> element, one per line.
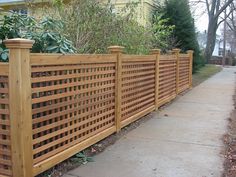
<point x="157" y="53"/>
<point x="117" y="50"/>
<point x="190" y="52"/>
<point x="176" y="53"/>
<point x="20" y="106"/>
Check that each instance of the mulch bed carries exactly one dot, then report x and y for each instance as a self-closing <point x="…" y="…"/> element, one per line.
<point x="230" y="145"/>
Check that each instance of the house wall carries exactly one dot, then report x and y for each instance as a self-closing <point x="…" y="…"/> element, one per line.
<point x="144" y="9"/>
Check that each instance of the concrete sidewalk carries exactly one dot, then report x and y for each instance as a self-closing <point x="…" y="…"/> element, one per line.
<point x="183" y="140"/>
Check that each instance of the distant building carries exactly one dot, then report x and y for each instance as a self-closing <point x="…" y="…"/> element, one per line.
<point x="144" y="8"/>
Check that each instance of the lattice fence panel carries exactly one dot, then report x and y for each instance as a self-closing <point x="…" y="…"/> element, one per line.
<point x="184" y="62"/>
<point x="138" y="87"/>
<point x="5" y="147"/>
<point x="70" y="104"/>
<point x="167" y="79"/>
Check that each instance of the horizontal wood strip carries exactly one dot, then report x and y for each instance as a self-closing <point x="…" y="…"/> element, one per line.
<point x="137" y="91"/>
<point x="54" y="157"/>
<point x="134" y="58"/>
<point x="61" y="59"/>
<point x="60" y="131"/>
<point x="133" y="102"/>
<point x="133" y="113"/>
<point x="71" y="102"/>
<point x="73" y="118"/>
<point x="5" y="162"/>
<point x="4" y="69"/>
<point x="140" y="68"/>
<point x="71" y="135"/>
<point x="70" y="76"/>
<point x="7" y="172"/>
<point x="133" y="80"/>
<point x="71" y="110"/>
<point x="71" y="84"/>
<point x="70" y="93"/>
<point x="128" y="95"/>
<point x="139" y="74"/>
<point x="141" y="104"/>
<point x="70" y="67"/>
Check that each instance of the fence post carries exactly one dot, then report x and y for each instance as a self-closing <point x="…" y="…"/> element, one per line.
<point x="157" y="53"/>
<point x="20" y="106"/>
<point x="190" y="52"/>
<point x="176" y="53"/>
<point x="117" y="50"/>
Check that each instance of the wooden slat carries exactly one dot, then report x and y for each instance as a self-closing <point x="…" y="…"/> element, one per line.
<point x="135" y="58"/>
<point x="4" y="69"/>
<point x="60" y="59"/>
<point x="59" y="157"/>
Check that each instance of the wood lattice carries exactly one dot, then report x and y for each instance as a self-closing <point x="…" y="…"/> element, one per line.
<point x="167" y="79"/>
<point x="5" y="145"/>
<point x="138" y="87"/>
<point x="70" y="104"/>
<point x="184" y="62"/>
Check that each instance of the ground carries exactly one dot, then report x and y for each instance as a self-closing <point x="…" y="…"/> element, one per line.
<point x="230" y="143"/>
<point x="204" y="73"/>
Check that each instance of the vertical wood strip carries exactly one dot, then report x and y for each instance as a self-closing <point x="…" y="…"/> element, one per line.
<point x="176" y="53"/>
<point x="156" y="52"/>
<point x="190" y="52"/>
<point x="117" y="50"/>
<point x="20" y="106"/>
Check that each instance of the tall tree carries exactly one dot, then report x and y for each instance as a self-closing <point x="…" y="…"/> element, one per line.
<point x="214" y="9"/>
<point x="179" y="15"/>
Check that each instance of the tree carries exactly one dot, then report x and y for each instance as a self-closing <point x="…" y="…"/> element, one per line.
<point x="179" y="15"/>
<point x="214" y="9"/>
<point x="231" y="28"/>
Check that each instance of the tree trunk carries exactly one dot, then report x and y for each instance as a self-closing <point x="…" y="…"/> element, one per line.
<point x="211" y="38"/>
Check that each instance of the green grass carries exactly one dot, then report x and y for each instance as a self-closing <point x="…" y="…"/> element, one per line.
<point x="204" y="73"/>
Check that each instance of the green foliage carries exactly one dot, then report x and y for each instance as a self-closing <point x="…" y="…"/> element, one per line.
<point x="179" y="15"/>
<point x="81" y="158"/>
<point x="46" y="33"/>
<point x="93" y="27"/>
<point x="163" y="33"/>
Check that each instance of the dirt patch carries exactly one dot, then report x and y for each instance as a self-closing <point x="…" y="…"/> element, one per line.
<point x="230" y="145"/>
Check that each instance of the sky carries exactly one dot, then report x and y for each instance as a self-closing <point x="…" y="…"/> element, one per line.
<point x="200" y="16"/>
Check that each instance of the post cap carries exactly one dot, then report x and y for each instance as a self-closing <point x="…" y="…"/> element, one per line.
<point x="155" y="51"/>
<point x="190" y="51"/>
<point x="18" y="43"/>
<point x="115" y="49"/>
<point x="176" y="50"/>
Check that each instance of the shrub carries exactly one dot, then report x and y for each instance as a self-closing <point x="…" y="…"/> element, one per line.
<point x="93" y="27"/>
<point x="46" y="33"/>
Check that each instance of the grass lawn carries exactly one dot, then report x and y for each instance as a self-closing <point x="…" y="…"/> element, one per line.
<point x="204" y="73"/>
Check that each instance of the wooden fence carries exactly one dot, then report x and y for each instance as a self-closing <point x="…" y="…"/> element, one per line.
<point x="52" y="106"/>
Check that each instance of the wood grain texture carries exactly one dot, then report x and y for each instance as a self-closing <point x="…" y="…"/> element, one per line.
<point x="52" y="106"/>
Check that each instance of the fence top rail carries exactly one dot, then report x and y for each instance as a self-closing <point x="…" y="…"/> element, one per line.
<point x="183" y="55"/>
<point x="138" y="57"/>
<point x="66" y="59"/>
<point x="168" y="57"/>
<point x="4" y="69"/>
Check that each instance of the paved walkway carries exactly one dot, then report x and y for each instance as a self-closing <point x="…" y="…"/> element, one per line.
<point x="183" y="140"/>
